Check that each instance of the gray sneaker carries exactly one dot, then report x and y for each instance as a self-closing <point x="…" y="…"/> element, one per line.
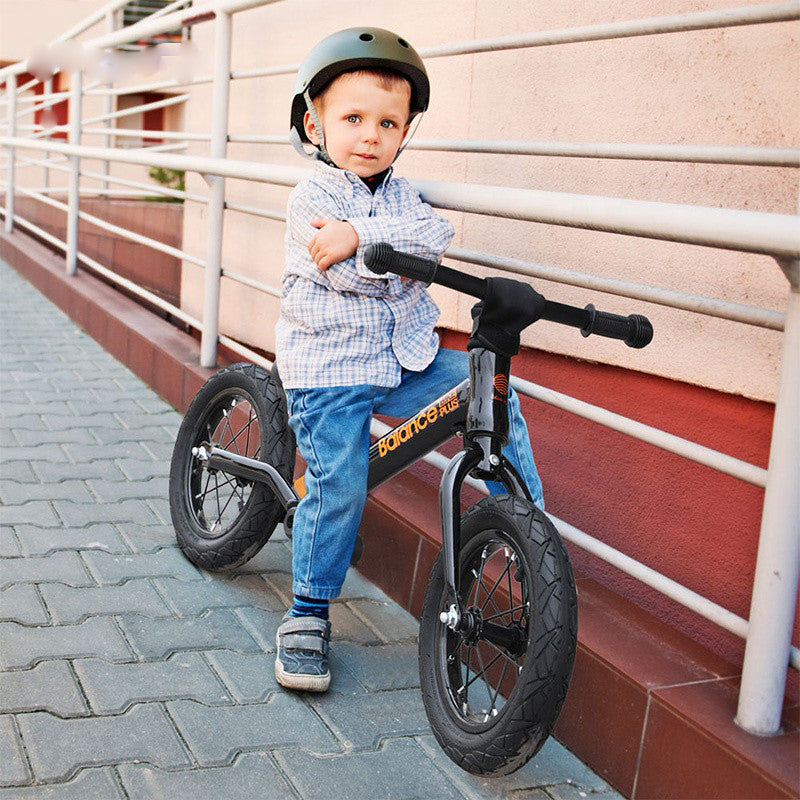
<point x="302" y="653"/>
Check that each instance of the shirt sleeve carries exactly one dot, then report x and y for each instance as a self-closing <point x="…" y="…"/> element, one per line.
<point x="309" y="204"/>
<point x="416" y="229"/>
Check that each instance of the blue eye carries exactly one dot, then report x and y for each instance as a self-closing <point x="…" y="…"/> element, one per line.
<point x="352" y="118"/>
<point x="387" y="124"/>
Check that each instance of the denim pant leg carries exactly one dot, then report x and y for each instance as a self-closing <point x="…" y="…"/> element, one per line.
<point x="332" y="431"/>
<point x="448" y="369"/>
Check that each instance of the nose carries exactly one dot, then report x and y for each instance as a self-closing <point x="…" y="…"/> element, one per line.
<point x="370" y="133"/>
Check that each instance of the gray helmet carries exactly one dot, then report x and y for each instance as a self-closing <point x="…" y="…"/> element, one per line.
<point x="357" y="48"/>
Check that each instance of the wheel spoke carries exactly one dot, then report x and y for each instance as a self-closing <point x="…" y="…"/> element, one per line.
<point x="505" y="613"/>
<point x="494" y="589"/>
<point x="502" y="652"/>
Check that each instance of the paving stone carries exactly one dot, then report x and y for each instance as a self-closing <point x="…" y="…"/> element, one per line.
<point x="112" y="491"/>
<point x="398" y="771"/>
<point x="36" y="541"/>
<point x="32" y="424"/>
<point x="160" y="507"/>
<point x="215" y="734"/>
<point x="36" y="512"/>
<point x="14" y="410"/>
<point x="82" y="453"/>
<point x="120" y="407"/>
<point x="13" y="769"/>
<point x="138" y="470"/>
<point x="49" y="686"/>
<point x="20" y="602"/>
<point x="96" y="783"/>
<point x="73" y="421"/>
<point x="112" y="688"/>
<point x="77" y="514"/>
<point x="146" y="538"/>
<point x="163" y="417"/>
<point x="111" y="568"/>
<point x="66" y="567"/>
<point x="365" y="719"/>
<point x="273" y="557"/>
<point x="8" y="543"/>
<point x="346" y="626"/>
<point x="153" y="436"/>
<point x="16" y="471"/>
<point x="393" y="623"/>
<point x="261" y="625"/>
<point x="53" y="472"/>
<point x="569" y="791"/>
<point x="156" y="639"/>
<point x="382" y="667"/>
<point x="14" y="493"/>
<point x="252" y="775"/>
<point x="68" y="605"/>
<point x="27" y="454"/>
<point x="160" y="450"/>
<point x="97" y="636"/>
<point x="250" y="677"/>
<point x="57" y="747"/>
<point x="191" y="598"/>
<point x="38" y="438"/>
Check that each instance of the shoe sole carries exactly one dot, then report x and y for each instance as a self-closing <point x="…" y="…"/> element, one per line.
<point x="305" y="683"/>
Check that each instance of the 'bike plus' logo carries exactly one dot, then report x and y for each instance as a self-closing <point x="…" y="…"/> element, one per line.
<point x="391" y="441"/>
<point x="501" y="388"/>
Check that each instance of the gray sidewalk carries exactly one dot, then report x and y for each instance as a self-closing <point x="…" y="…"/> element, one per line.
<point x="127" y="673"/>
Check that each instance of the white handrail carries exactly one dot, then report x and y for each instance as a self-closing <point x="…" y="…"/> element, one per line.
<point x="731" y="229"/>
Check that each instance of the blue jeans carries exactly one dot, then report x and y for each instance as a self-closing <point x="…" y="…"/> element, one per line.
<point x="332" y="430"/>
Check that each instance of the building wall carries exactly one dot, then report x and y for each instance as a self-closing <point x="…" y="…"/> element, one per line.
<point x="732" y="87"/>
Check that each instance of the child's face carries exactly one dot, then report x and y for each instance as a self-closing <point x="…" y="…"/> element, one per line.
<point x="363" y="123"/>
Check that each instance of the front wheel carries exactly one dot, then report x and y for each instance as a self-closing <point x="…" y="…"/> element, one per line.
<point x="493" y="689"/>
<point x="221" y="520"/>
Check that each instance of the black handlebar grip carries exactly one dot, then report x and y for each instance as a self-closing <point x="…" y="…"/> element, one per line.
<point x="635" y="330"/>
<point x="383" y="258"/>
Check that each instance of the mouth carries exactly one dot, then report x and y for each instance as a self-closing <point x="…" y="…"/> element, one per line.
<point x="367" y="156"/>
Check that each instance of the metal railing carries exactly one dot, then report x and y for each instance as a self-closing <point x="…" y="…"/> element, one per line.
<point x="768" y="632"/>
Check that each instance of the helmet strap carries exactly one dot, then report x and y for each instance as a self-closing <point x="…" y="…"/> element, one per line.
<point x="323" y="153"/>
<point x="409" y="137"/>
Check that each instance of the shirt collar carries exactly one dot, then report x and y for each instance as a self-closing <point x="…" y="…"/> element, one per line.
<point x="343" y="178"/>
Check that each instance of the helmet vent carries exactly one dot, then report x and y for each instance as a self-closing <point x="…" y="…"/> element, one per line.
<point x="366" y="37"/>
<point x="403" y="42"/>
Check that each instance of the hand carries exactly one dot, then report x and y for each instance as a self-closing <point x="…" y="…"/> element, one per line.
<point x="335" y="241"/>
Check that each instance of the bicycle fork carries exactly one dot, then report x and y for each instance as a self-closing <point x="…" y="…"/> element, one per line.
<point x="485" y="435"/>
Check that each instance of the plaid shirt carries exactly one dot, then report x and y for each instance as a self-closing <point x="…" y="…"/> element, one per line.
<point x="348" y="325"/>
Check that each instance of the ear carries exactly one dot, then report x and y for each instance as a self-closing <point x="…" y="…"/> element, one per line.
<point x="310" y="129"/>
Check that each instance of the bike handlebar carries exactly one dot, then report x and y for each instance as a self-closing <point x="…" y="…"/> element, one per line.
<point x="635" y="330"/>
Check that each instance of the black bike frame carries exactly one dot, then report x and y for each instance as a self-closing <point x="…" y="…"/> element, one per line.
<point x="476" y="409"/>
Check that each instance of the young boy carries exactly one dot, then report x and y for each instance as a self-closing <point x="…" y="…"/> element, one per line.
<point x="351" y="343"/>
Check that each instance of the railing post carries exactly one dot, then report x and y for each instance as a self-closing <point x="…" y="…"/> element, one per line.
<point x="108" y="104"/>
<point x="772" y="607"/>
<point x="216" y="205"/>
<point x="11" y="91"/>
<point x="48" y="89"/>
<point x="73" y="201"/>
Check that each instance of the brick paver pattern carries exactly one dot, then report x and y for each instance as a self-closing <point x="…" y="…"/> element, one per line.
<point x="125" y="672"/>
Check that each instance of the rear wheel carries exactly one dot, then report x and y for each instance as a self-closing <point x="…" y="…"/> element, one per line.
<point x="220" y="520"/>
<point x="493" y="689"/>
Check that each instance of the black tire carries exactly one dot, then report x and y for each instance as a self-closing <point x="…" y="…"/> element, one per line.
<point x="510" y="541"/>
<point x="221" y="521"/>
